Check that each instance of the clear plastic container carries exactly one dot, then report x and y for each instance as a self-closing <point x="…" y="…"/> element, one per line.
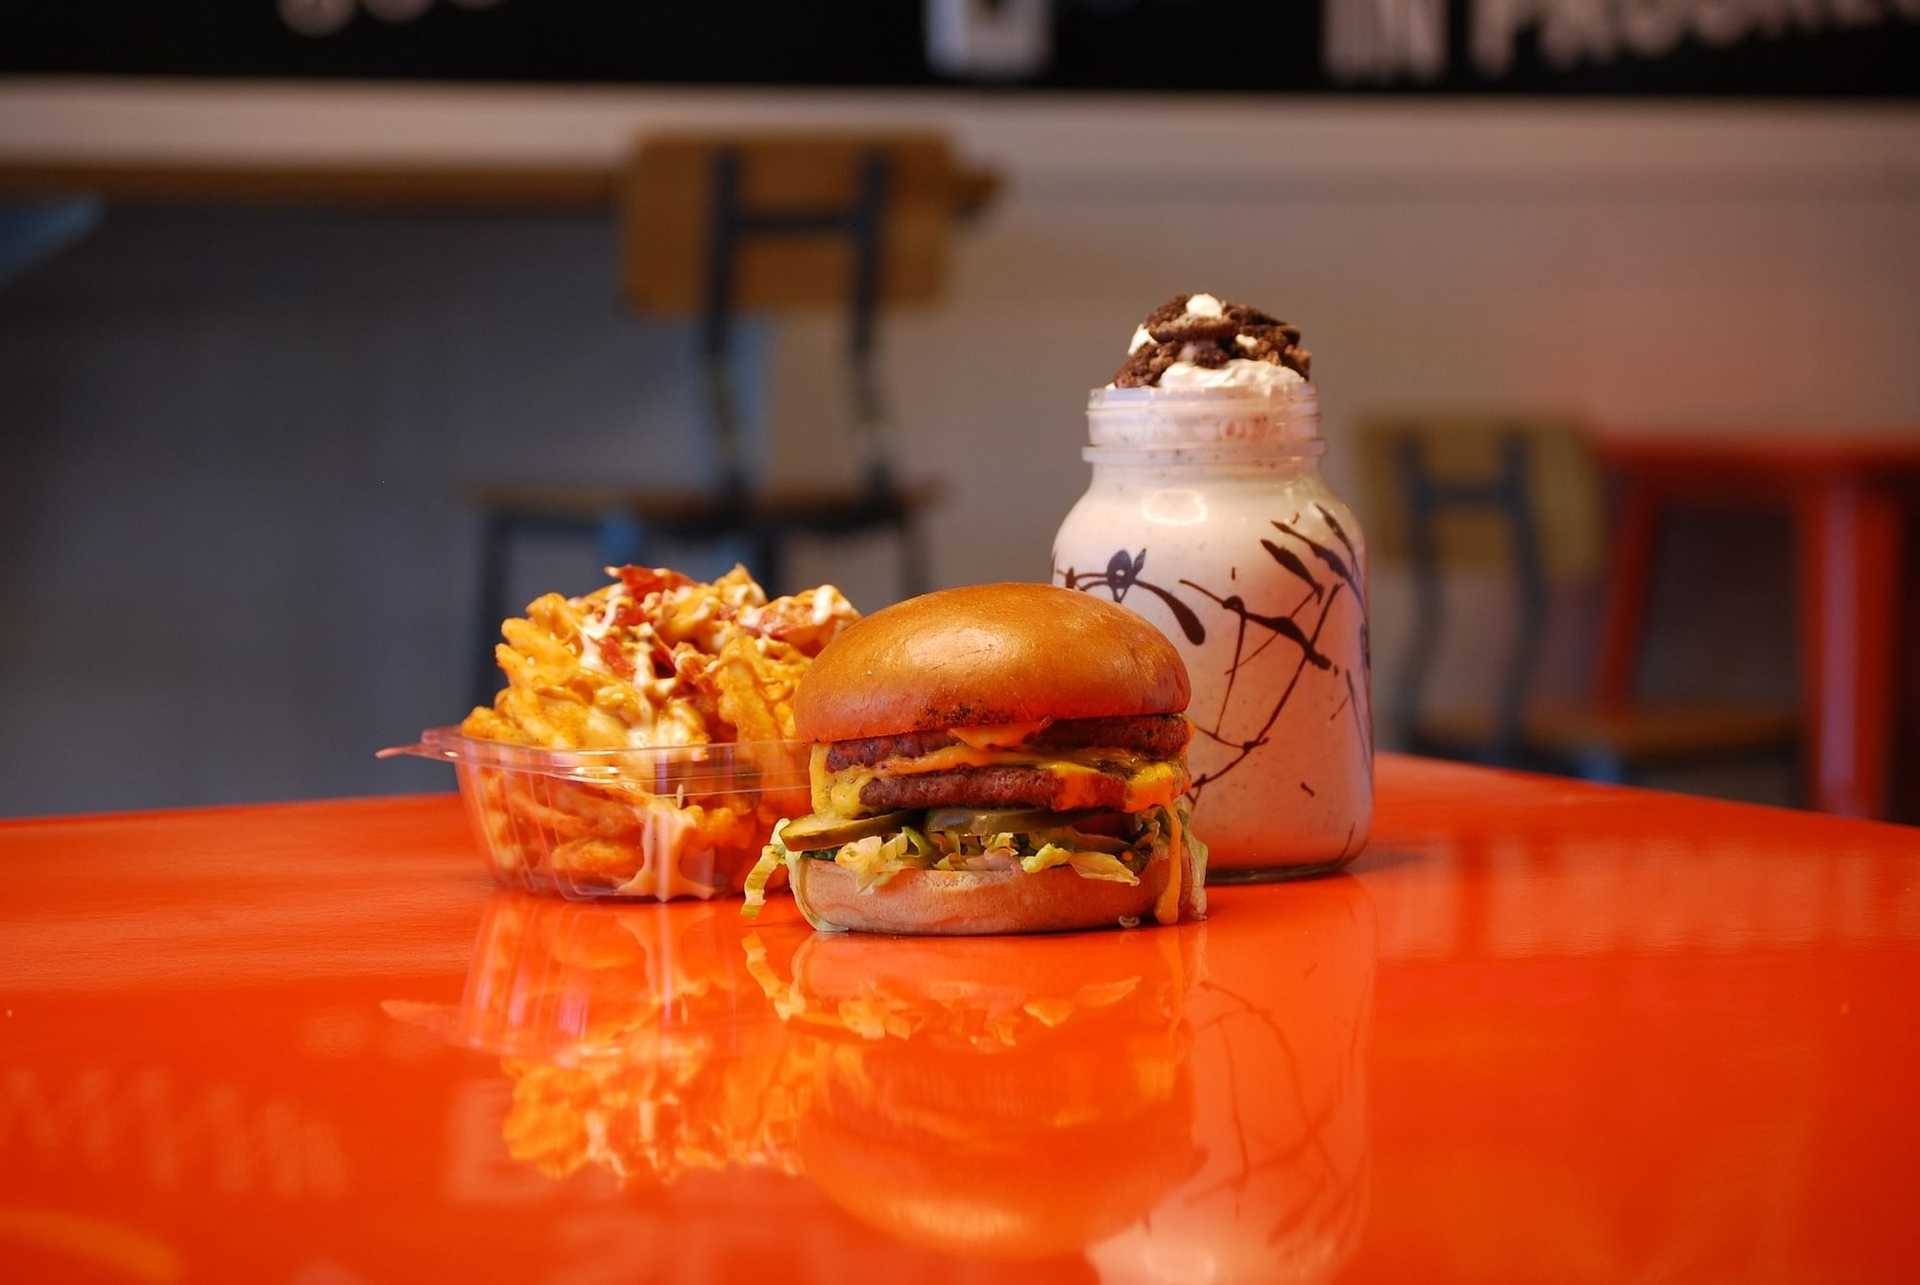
<point x="650" y="824"/>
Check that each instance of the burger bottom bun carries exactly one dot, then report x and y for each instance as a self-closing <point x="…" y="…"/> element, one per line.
<point x="953" y="903"/>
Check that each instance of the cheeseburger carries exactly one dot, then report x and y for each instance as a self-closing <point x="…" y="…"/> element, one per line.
<point x="995" y="759"/>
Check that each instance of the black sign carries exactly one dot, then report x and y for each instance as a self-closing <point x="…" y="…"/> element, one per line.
<point x="1610" y="47"/>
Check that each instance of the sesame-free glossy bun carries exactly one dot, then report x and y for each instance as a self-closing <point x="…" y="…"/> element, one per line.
<point x="985" y="655"/>
<point x="958" y="903"/>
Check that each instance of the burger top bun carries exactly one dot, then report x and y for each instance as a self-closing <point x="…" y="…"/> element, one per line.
<point x="985" y="655"/>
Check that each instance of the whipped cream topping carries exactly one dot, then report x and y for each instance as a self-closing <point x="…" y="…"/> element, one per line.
<point x="1237" y="373"/>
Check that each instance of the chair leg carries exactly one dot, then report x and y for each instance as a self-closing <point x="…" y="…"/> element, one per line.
<point x="913" y="557"/>
<point x="769" y="560"/>
<point x="1799" y="760"/>
<point x="496" y="536"/>
<point x="1603" y="766"/>
<point x="1850" y="535"/>
<point x="621" y="540"/>
<point x="1636" y="545"/>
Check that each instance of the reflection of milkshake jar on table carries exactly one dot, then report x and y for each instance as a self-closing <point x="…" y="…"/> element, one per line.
<point x="1280" y="1080"/>
<point x="1208" y="516"/>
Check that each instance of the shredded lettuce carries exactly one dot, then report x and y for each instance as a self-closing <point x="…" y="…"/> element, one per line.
<point x="874" y="1017"/>
<point x="772" y="857"/>
<point x="788" y="1000"/>
<point x="1102" y="865"/>
<point x="1088" y="865"/>
<point x="1068" y="837"/>
<point x="1195" y="847"/>
<point x="1049" y="856"/>
<point x="1061" y="848"/>
<point x="874" y="860"/>
<point x="1049" y="1012"/>
<point x="997" y="852"/>
<point x="1105" y="994"/>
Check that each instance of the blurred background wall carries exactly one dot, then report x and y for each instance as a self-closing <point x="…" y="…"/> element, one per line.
<point x="238" y="557"/>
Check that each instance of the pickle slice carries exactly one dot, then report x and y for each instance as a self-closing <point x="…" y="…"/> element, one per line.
<point x="1081" y="841"/>
<point x="996" y="820"/>
<point x="811" y="833"/>
<point x="1015" y="820"/>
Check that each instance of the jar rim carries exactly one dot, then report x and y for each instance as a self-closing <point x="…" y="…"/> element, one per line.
<point x="1227" y="423"/>
<point x="1203" y="454"/>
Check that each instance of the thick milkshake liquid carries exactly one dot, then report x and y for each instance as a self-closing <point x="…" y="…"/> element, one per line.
<point x="1257" y="572"/>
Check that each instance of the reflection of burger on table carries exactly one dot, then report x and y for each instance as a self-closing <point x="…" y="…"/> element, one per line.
<point x="635" y="1039"/>
<point x="964" y="1099"/>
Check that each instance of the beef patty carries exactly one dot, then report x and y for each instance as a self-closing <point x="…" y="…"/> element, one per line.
<point x="1159" y="736"/>
<point x="988" y="787"/>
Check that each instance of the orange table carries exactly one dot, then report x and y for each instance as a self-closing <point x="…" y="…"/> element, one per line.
<point x="1850" y="497"/>
<point x="1543" y="1031"/>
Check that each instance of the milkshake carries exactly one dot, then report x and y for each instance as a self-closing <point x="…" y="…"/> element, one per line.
<point x="1208" y="516"/>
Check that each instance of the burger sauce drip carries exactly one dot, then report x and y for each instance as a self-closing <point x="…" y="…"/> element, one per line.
<point x="1167" y="909"/>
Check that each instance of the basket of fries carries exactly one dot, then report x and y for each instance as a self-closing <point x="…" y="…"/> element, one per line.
<point x="643" y="745"/>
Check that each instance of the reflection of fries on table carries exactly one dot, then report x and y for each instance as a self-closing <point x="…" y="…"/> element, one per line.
<point x="619" y="1030"/>
<point x="654" y="659"/>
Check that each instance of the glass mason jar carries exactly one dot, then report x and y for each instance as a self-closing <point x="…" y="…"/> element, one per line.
<point x="1208" y="516"/>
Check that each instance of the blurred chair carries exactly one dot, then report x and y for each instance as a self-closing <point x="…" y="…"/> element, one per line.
<point x="1524" y="497"/>
<point x="712" y="226"/>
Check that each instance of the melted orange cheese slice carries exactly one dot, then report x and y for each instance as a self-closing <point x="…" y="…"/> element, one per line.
<point x="1006" y="736"/>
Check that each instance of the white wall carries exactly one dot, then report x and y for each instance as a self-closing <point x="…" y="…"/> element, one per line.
<point x="235" y="440"/>
<point x="1744" y="267"/>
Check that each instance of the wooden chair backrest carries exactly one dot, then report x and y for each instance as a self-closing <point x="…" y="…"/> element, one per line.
<point x="667" y="202"/>
<point x="1563" y="488"/>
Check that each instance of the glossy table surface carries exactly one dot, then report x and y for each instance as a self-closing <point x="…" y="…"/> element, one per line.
<point x="1542" y="1031"/>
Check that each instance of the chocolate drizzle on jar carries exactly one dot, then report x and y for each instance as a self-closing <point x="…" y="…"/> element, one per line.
<point x="1280" y="625"/>
<point x="1121" y="575"/>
